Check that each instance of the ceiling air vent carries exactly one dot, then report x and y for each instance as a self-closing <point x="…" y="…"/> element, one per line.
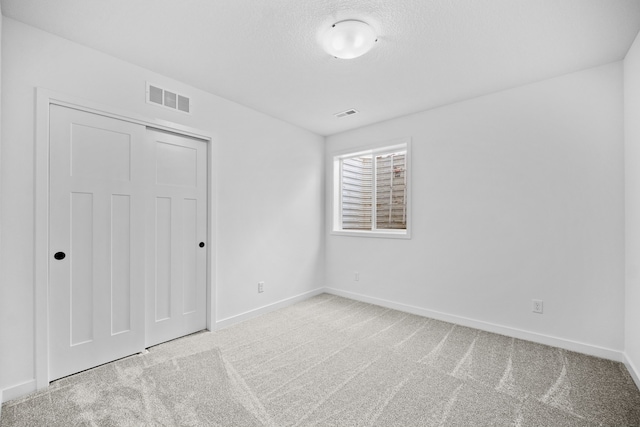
<point x="350" y="112"/>
<point x="168" y="99"/>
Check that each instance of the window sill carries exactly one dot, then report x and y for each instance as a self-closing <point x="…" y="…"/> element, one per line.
<point x="379" y="234"/>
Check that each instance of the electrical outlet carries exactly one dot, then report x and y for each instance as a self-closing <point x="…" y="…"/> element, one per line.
<point x="260" y="287"/>
<point x="356" y="276"/>
<point x="537" y="306"/>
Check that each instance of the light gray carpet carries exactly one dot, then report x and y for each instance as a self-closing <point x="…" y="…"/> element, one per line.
<point x="330" y="361"/>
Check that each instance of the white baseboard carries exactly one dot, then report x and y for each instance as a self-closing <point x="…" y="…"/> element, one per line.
<point x="223" y="323"/>
<point x="578" y="347"/>
<point x="27" y="387"/>
<point x="17" y="391"/>
<point x="633" y="370"/>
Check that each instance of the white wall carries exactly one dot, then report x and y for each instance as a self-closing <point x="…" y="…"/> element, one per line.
<point x="516" y="195"/>
<point x="632" y="203"/>
<point x="270" y="184"/>
<point x="1" y="19"/>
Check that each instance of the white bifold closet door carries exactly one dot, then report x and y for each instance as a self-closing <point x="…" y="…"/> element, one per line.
<point x="96" y="219"/>
<point x="177" y="229"/>
<point x="127" y="239"/>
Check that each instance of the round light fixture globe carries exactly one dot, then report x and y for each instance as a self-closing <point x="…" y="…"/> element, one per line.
<point x="349" y="39"/>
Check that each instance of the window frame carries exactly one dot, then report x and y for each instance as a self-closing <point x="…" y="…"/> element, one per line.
<point x="401" y="144"/>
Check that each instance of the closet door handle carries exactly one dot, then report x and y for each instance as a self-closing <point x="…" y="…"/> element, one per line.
<point x="59" y="255"/>
<point x="201" y="244"/>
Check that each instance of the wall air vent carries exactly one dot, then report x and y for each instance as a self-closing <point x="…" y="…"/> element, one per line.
<point x="346" y="113"/>
<point x="168" y="99"/>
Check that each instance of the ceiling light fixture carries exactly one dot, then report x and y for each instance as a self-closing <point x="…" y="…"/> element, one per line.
<point x="349" y="39"/>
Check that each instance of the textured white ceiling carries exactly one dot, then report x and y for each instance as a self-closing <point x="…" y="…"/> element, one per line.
<point x="265" y="54"/>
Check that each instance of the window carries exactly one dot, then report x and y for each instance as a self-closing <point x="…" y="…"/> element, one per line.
<point x="371" y="192"/>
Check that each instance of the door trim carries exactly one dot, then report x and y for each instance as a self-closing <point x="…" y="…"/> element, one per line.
<point x="45" y="98"/>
